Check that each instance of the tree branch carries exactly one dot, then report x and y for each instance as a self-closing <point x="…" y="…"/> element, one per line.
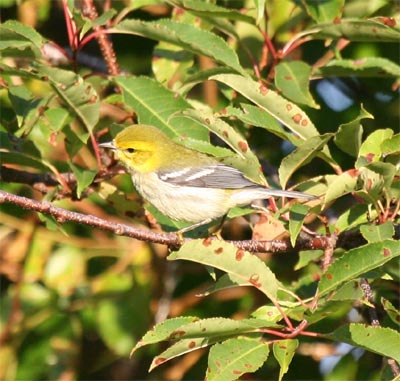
<point x="173" y="240"/>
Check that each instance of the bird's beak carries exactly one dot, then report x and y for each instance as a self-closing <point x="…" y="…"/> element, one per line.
<point x="110" y="145"/>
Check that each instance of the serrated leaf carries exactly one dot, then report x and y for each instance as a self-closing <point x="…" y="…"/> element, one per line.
<point x="230" y="359"/>
<point x="144" y="95"/>
<point x="348" y="137"/>
<point x="381" y="340"/>
<point x="362" y="67"/>
<point x="162" y="331"/>
<point x="356" y="262"/>
<point x="226" y="257"/>
<point x="202" y="8"/>
<point x="370" y="149"/>
<point x="293" y="80"/>
<point x="180" y="348"/>
<point x="377" y="233"/>
<point x="302" y="155"/>
<point x="79" y="96"/>
<point x="297" y="214"/>
<point x="377" y="29"/>
<point x="280" y="108"/>
<point x="187" y="36"/>
<point x="284" y="351"/>
<point x="15" y="35"/>
<point x="255" y="116"/>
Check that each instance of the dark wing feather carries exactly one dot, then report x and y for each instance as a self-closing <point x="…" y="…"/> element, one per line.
<point x="209" y="176"/>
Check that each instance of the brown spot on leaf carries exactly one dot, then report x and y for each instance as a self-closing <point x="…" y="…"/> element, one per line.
<point x="353" y="172"/>
<point x="304" y="122"/>
<point x="370" y="157"/>
<point x="237" y="372"/>
<point x="329" y="276"/>
<point x="316" y="277"/>
<point x="192" y="344"/>
<point x="223" y="111"/>
<point x="296" y="118"/>
<point x="239" y="254"/>
<point x="243" y="146"/>
<point x="386" y="252"/>
<point x="218" y="251"/>
<point x="207" y="120"/>
<point x="288" y="78"/>
<point x="337" y="20"/>
<point x="159" y="360"/>
<point x="248" y="366"/>
<point x="207" y="242"/>
<point x="289" y="107"/>
<point x="225" y="133"/>
<point x="389" y="21"/>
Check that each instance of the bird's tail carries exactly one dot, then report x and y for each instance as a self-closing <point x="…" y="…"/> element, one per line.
<point x="290" y="194"/>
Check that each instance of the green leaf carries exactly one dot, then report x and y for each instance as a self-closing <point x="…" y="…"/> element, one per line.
<point x="377" y="233"/>
<point x="180" y="348"/>
<point x="84" y="177"/>
<point x="188" y="37"/>
<point x="169" y="61"/>
<point x="391" y="145"/>
<point x="284" y="351"/>
<point x="373" y="67"/>
<point x="79" y="96"/>
<point x="255" y="116"/>
<point x="260" y="8"/>
<point x="301" y="156"/>
<point x="384" y="341"/>
<point x="307" y="256"/>
<point x="371" y="147"/>
<point x="205" y="9"/>
<point x="322" y="11"/>
<point x="377" y="29"/>
<point x="162" y="331"/>
<point x="65" y="270"/>
<point x="114" y="323"/>
<point x="280" y="108"/>
<point x="293" y="80"/>
<point x="26" y="107"/>
<point x="340" y="185"/>
<point x="356" y="262"/>
<point x="354" y="216"/>
<point x="17" y="36"/>
<point x="391" y="310"/>
<point x="249" y="163"/>
<point x="226" y="257"/>
<point x="297" y="214"/>
<point x="348" y="137"/>
<point x="230" y="359"/>
<point x="145" y="95"/>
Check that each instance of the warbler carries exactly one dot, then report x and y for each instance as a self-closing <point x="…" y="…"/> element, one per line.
<point x="184" y="184"/>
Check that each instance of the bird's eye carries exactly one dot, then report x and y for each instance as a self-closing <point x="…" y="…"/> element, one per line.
<point x="130" y="150"/>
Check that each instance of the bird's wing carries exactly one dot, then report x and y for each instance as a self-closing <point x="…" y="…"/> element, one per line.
<point x="208" y="176"/>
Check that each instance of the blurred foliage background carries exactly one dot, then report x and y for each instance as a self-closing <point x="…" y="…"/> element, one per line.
<point x="75" y="300"/>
